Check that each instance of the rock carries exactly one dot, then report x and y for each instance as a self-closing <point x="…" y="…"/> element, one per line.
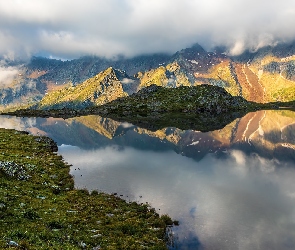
<point x="12" y="243"/>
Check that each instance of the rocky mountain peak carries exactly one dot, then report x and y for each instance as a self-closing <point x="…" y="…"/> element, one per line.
<point x="100" y="89"/>
<point x="193" y="52"/>
<point x="108" y="75"/>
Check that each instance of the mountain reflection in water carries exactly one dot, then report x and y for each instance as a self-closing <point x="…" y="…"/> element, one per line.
<point x="230" y="189"/>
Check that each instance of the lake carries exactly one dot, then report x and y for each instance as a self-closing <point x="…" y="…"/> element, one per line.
<point x="232" y="188"/>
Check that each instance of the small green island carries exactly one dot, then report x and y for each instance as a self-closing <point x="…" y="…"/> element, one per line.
<point x="41" y="209"/>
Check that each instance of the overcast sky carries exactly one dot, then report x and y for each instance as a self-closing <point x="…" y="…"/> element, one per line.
<point x="71" y="28"/>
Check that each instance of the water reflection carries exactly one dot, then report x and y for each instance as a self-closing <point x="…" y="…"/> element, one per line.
<point x="231" y="189"/>
<point x="239" y="202"/>
<point x="267" y="133"/>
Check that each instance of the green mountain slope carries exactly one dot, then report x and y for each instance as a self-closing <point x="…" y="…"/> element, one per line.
<point x="98" y="90"/>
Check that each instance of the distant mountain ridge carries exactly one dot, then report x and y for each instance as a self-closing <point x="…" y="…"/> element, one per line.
<point x="265" y="75"/>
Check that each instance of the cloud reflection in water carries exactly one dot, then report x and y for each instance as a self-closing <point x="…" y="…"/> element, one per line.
<point x="237" y="202"/>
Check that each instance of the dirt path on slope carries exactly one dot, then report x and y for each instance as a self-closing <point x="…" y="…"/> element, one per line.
<point x="251" y="88"/>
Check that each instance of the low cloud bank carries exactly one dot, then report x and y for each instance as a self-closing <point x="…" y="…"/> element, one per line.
<point x="69" y="29"/>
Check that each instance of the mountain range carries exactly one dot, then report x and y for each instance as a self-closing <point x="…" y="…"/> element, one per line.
<point x="265" y="75"/>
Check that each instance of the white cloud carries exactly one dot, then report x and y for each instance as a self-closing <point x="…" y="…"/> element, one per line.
<point x="130" y="27"/>
<point x="127" y="81"/>
<point x="127" y="125"/>
<point x="238" y="48"/>
<point x="17" y="123"/>
<point x="7" y="75"/>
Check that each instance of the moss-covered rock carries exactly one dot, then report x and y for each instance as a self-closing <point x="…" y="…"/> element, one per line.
<point x="196" y="99"/>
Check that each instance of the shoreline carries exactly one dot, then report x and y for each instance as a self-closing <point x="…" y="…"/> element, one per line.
<point x="40" y="208"/>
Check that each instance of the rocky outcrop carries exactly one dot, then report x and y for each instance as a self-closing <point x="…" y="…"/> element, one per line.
<point x="171" y="76"/>
<point x="203" y="98"/>
<point x="266" y="75"/>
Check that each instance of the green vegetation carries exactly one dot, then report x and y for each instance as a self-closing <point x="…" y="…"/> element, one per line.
<point x="40" y="209"/>
<point x="277" y="88"/>
<point x="285" y="94"/>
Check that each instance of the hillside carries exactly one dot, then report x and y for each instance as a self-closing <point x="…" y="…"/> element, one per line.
<point x="98" y="90"/>
<point x="203" y="98"/>
<point x="267" y="75"/>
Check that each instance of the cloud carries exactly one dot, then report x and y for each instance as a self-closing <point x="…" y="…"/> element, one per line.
<point x="10" y="122"/>
<point x="126" y="125"/>
<point x="127" y="81"/>
<point x="7" y="75"/>
<point x="131" y="27"/>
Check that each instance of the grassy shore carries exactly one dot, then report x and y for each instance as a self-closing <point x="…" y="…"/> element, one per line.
<point x="40" y="209"/>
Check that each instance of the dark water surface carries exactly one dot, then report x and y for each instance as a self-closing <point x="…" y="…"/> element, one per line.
<point x="230" y="189"/>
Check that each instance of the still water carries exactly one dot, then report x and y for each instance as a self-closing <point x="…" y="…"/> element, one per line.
<point x="233" y="188"/>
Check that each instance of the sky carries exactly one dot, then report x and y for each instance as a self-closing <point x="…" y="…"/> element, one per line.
<point x="70" y="29"/>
